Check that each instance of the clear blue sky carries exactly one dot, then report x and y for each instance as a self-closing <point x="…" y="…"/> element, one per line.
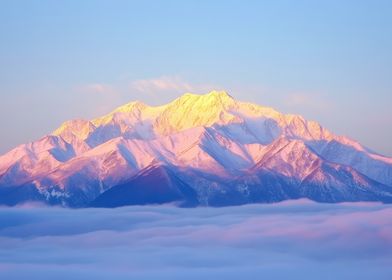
<point x="330" y="61"/>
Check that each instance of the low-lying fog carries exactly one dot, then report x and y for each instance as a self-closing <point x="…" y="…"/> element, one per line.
<point x="290" y="240"/>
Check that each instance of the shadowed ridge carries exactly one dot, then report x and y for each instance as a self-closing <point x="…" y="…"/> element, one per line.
<point x="201" y="135"/>
<point x="155" y="184"/>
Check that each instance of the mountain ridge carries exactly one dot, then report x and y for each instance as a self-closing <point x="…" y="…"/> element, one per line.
<point x="212" y="135"/>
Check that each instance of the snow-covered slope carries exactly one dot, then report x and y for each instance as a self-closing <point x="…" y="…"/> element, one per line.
<point x="227" y="151"/>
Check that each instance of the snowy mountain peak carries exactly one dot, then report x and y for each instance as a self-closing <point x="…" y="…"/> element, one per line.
<point x="131" y="106"/>
<point x="212" y="95"/>
<point x="75" y="128"/>
<point x="217" y="150"/>
<point x="191" y="110"/>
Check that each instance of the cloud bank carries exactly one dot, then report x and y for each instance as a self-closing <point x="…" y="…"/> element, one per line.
<point x="292" y="240"/>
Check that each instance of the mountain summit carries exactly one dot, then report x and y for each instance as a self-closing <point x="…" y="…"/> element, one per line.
<point x="197" y="150"/>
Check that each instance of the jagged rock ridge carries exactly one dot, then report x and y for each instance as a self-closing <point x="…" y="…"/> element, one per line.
<point x="207" y="150"/>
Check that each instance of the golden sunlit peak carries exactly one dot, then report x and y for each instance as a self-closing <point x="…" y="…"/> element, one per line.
<point x="214" y="93"/>
<point x="220" y="94"/>
<point x="213" y="97"/>
<point x="219" y="97"/>
<point x="129" y="107"/>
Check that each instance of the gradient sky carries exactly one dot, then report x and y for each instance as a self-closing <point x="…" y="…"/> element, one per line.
<point x="330" y="61"/>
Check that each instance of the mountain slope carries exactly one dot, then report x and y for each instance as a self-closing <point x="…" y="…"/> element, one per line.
<point x="153" y="185"/>
<point x="226" y="151"/>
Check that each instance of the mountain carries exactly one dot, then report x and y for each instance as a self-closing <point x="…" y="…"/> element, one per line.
<point x="197" y="150"/>
<point x="152" y="185"/>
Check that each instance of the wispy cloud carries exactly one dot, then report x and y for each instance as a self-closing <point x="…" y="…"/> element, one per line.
<point x="169" y="84"/>
<point x="296" y="240"/>
<point x="162" y="83"/>
<point x="104" y="97"/>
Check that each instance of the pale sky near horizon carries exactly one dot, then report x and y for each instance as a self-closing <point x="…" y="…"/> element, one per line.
<point x="330" y="61"/>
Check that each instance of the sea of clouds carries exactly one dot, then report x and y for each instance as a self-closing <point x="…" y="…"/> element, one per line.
<point x="290" y="240"/>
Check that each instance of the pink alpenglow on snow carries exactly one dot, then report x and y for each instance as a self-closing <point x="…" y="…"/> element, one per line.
<point x="210" y="150"/>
